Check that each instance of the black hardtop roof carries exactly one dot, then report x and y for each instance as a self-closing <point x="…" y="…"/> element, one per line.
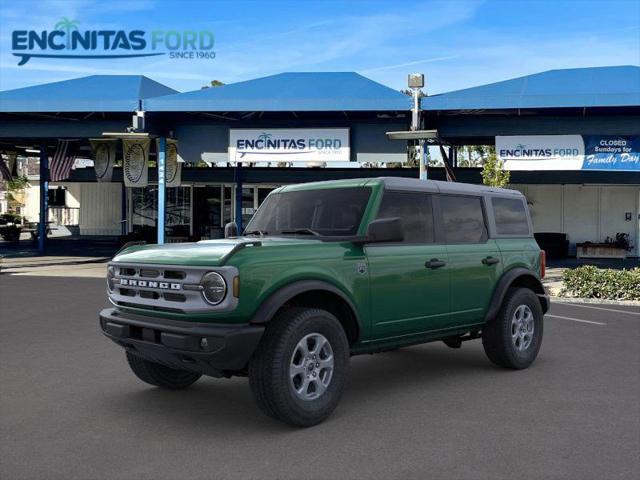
<point x="395" y="183"/>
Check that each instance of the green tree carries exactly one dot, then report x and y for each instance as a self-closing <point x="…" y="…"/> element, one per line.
<point x="67" y="25"/>
<point x="15" y="193"/>
<point x="493" y="172"/>
<point x="213" y="83"/>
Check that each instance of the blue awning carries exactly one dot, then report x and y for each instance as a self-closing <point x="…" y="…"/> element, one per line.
<point x="571" y="88"/>
<point x="288" y="92"/>
<point x="96" y="93"/>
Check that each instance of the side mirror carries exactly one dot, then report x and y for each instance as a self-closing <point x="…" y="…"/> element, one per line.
<point x="385" y="230"/>
<point x="230" y="230"/>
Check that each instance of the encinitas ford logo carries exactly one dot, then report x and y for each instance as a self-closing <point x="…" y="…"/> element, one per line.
<point x="265" y="144"/>
<point x="66" y="40"/>
<point x="522" y="151"/>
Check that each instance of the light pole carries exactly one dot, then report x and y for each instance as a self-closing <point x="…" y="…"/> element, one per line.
<point x="415" y="82"/>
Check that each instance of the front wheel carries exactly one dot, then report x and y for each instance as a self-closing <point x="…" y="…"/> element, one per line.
<point x="513" y="338"/>
<point x="298" y="372"/>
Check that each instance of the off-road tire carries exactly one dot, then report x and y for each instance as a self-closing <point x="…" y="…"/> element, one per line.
<point x="269" y="375"/>
<point x="160" y="375"/>
<point x="497" y="334"/>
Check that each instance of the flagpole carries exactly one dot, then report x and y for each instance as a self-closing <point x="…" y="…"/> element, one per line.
<point x="44" y="200"/>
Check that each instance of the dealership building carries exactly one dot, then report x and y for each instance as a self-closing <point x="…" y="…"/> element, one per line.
<point x="571" y="139"/>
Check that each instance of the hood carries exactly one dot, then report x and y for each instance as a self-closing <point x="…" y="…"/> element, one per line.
<point x="203" y="253"/>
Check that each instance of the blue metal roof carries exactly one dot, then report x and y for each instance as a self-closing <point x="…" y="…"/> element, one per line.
<point x="96" y="93"/>
<point x="286" y="92"/>
<point x="577" y="87"/>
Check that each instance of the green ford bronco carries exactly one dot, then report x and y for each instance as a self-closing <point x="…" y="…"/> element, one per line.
<point x="328" y="270"/>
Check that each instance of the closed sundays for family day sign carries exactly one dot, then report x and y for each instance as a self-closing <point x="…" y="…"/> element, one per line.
<point x="289" y="145"/>
<point x="569" y="152"/>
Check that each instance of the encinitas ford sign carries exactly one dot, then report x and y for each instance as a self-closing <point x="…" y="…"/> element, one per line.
<point x="67" y="41"/>
<point x="541" y="152"/>
<point x="289" y="145"/>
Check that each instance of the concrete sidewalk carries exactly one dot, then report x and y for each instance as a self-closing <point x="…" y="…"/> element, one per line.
<point x="55" y="266"/>
<point x="552" y="280"/>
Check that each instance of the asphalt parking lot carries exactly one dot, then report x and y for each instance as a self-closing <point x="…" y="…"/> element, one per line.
<point x="71" y="409"/>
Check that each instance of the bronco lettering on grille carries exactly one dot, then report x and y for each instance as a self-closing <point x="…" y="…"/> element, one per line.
<point x="149" y="284"/>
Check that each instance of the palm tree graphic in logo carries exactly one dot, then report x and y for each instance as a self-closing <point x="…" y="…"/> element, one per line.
<point x="264" y="137"/>
<point x="521" y="146"/>
<point x="67" y="25"/>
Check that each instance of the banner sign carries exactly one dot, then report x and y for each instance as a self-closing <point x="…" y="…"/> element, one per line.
<point x="104" y="157"/>
<point x="173" y="166"/>
<point x="611" y="153"/>
<point x="569" y="152"/>
<point x="541" y="152"/>
<point x="135" y="153"/>
<point x="289" y="145"/>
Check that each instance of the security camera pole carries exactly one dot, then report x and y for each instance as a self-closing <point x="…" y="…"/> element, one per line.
<point x="416" y="83"/>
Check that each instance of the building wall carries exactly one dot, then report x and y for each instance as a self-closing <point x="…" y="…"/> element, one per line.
<point x="31" y="209"/>
<point x="100" y="208"/>
<point x="585" y="212"/>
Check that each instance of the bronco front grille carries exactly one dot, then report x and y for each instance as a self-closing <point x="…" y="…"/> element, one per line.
<point x="162" y="288"/>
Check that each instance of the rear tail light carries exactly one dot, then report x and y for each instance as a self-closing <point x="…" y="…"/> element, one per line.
<point x="543" y="263"/>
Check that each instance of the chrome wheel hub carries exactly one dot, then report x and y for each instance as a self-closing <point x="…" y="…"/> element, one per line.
<point x="522" y="327"/>
<point x="311" y="366"/>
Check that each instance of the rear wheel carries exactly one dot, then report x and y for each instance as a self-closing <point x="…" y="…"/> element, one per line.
<point x="513" y="338"/>
<point x="159" y="375"/>
<point x="298" y="372"/>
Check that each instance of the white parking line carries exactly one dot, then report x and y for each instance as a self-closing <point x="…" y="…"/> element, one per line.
<point x="600" y="308"/>
<point x="575" y="319"/>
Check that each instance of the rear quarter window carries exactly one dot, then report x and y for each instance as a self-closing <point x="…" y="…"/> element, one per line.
<point x="510" y="216"/>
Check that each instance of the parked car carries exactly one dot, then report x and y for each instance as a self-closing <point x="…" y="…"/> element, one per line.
<point x="10" y="226"/>
<point x="328" y="270"/>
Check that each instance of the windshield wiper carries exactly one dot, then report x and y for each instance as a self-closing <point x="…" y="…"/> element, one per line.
<point x="256" y="232"/>
<point x="301" y="231"/>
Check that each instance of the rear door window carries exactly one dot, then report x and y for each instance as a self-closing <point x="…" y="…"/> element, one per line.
<point x="510" y="215"/>
<point x="414" y="211"/>
<point x="463" y="219"/>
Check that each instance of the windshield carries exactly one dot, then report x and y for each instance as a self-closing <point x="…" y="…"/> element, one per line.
<point x="326" y="212"/>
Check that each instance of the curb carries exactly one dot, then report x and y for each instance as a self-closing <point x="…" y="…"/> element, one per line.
<point x="53" y="264"/>
<point x="597" y="301"/>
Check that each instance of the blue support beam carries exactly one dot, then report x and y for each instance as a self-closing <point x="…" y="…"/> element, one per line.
<point x="162" y="157"/>
<point x="44" y="200"/>
<point x="238" y="178"/>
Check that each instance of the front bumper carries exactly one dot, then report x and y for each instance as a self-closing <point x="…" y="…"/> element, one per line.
<point x="180" y="345"/>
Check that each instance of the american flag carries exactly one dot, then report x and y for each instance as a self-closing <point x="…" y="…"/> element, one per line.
<point x="62" y="161"/>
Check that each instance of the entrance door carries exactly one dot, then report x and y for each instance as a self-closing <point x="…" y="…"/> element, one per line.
<point x="409" y="280"/>
<point x="207" y="212"/>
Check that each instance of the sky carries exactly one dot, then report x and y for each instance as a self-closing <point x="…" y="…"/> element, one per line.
<point x="456" y="44"/>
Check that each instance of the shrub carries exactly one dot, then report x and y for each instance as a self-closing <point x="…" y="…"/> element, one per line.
<point x="592" y="282"/>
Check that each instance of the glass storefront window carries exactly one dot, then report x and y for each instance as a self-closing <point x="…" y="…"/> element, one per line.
<point x="144" y="212"/>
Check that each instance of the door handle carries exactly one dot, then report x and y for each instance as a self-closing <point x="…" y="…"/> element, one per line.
<point x="434" y="263"/>
<point x="490" y="260"/>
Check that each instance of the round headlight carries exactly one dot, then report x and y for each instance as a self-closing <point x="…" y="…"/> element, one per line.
<point x="214" y="288"/>
<point x="111" y="271"/>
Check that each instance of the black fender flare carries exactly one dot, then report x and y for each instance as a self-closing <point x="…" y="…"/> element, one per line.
<point x="272" y="304"/>
<point x="506" y="280"/>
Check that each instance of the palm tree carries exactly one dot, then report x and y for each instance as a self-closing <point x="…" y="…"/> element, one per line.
<point x="67" y="25"/>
